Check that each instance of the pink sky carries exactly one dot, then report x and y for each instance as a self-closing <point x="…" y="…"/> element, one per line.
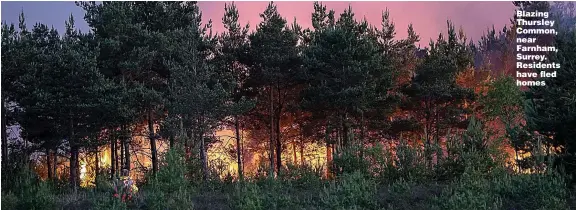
<point x="428" y="18"/>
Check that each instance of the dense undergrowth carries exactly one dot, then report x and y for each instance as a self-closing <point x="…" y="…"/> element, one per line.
<point x="470" y="174"/>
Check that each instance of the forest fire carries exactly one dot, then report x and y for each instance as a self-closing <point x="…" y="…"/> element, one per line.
<point x="221" y="158"/>
<point x="348" y="113"/>
<point x="222" y="154"/>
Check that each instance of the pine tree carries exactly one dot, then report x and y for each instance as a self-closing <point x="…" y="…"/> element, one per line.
<point x="232" y="48"/>
<point x="551" y="108"/>
<point x="10" y="42"/>
<point x="273" y="65"/>
<point x="434" y="93"/>
<point x="345" y="73"/>
<point x="134" y="51"/>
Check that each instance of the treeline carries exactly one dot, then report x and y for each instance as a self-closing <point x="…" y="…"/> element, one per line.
<point x="343" y="83"/>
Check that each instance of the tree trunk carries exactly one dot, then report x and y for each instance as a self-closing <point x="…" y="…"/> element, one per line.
<point x="278" y="143"/>
<point x="362" y="134"/>
<point x="242" y="148"/>
<point x="203" y="157"/>
<point x="301" y="146"/>
<point x="238" y="147"/>
<point x="122" y="156"/>
<point x="338" y="143"/>
<point x="328" y="150"/>
<point x="346" y="132"/>
<point x="117" y="158"/>
<point x="436" y="139"/>
<point x="152" y="143"/>
<point x="328" y="160"/>
<point x="4" y="137"/>
<point x="112" y="157"/>
<point x="74" y="161"/>
<point x="362" y="129"/>
<point x="74" y="167"/>
<point x="271" y="155"/>
<point x="49" y="164"/>
<point x="183" y="139"/>
<point x="302" y="160"/>
<point x="294" y="157"/>
<point x="97" y="165"/>
<point x="55" y="163"/>
<point x="128" y="139"/>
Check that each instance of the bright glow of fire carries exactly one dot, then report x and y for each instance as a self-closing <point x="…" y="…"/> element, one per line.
<point x="222" y="155"/>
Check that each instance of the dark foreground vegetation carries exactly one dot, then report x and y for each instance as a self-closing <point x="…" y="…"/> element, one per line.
<point x="471" y="177"/>
<point x="403" y="127"/>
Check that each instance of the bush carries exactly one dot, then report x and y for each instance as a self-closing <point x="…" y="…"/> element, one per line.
<point x="302" y="176"/>
<point x="349" y="160"/>
<point x="9" y="201"/>
<point x="531" y="191"/>
<point x="351" y="191"/>
<point x="403" y="194"/>
<point x="409" y="163"/>
<point x="169" y="188"/>
<point x="468" y="193"/>
<point x="29" y="190"/>
<point x="92" y="199"/>
<point x="267" y="194"/>
<point x="249" y="196"/>
<point x="471" y="152"/>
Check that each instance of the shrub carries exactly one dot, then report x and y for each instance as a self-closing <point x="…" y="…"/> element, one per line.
<point x="351" y="191"/>
<point x="266" y="194"/>
<point x="9" y="200"/>
<point x="349" y="160"/>
<point x="404" y="194"/>
<point x="471" y="152"/>
<point x="469" y="192"/>
<point x="409" y="163"/>
<point x="249" y="196"/>
<point x="302" y="176"/>
<point x="530" y="191"/>
<point x="169" y="188"/>
<point x="29" y="190"/>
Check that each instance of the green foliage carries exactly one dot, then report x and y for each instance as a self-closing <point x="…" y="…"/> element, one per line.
<point x="342" y="81"/>
<point x="27" y="191"/>
<point x="269" y="194"/>
<point x="9" y="200"/>
<point x="350" y="191"/>
<point x="551" y="109"/>
<point x="350" y="161"/>
<point x="403" y="194"/>
<point x="407" y="164"/>
<point x="169" y="188"/>
<point x="475" y="151"/>
<point x="533" y="191"/>
<point x="249" y="196"/>
<point x="345" y="73"/>
<point x="504" y="100"/>
<point x="302" y="176"/>
<point x="434" y="96"/>
<point x="469" y="193"/>
<point x="107" y="201"/>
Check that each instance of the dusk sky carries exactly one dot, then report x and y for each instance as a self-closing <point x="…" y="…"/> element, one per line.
<point x="428" y="18"/>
